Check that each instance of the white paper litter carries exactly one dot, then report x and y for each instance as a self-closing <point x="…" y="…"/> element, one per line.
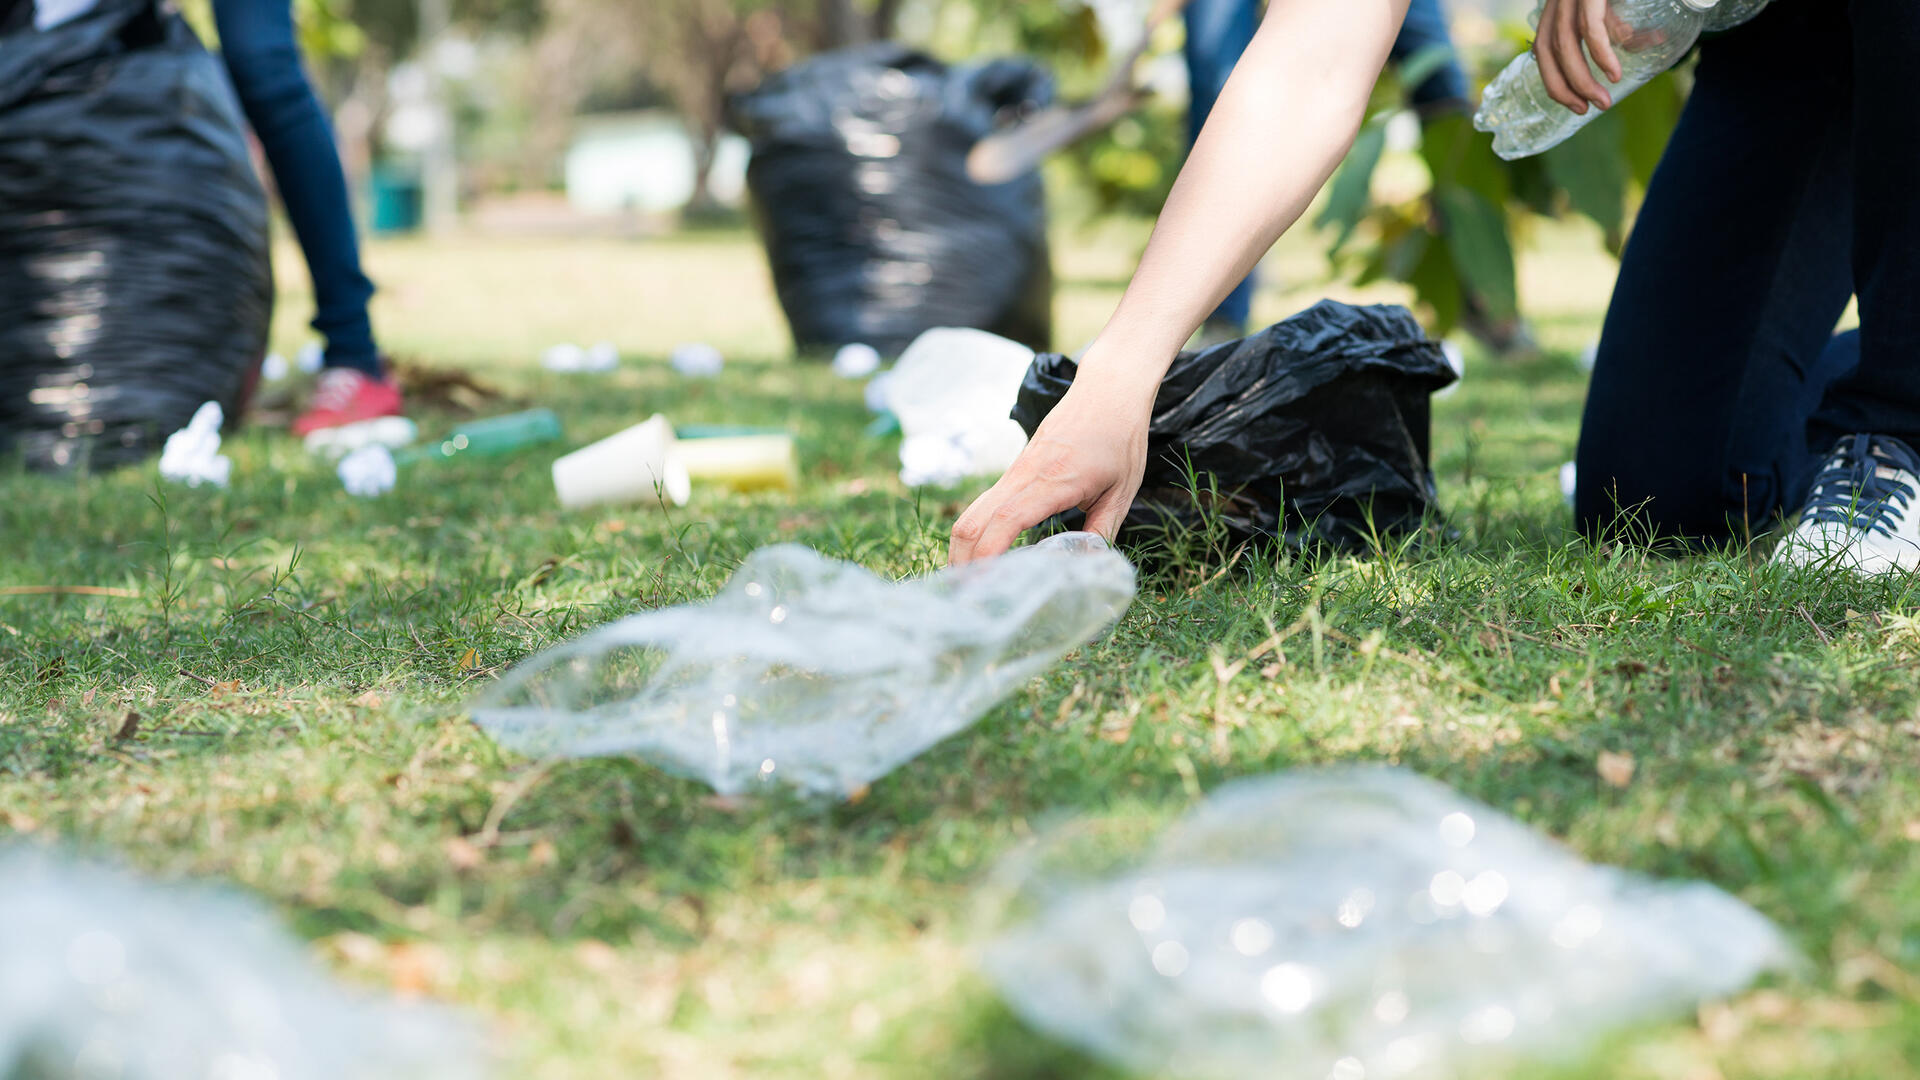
<point x="1457" y="360"/>
<point x="952" y="391"/>
<point x="568" y="358"/>
<point x="697" y="360"/>
<point x="369" y="471"/>
<point x="191" y="456"/>
<point x="808" y="671"/>
<point x="105" y="975"/>
<point x="1354" y="923"/>
<point x="875" y="391"/>
<point x="856" y="361"/>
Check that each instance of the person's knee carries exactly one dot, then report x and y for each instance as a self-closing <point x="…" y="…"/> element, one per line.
<point x="1647" y="495"/>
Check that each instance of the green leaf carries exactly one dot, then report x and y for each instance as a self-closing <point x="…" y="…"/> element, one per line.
<point x="1436" y="283"/>
<point x="1533" y="188"/>
<point x="1351" y="192"/>
<point x="1459" y="156"/>
<point x="1475" y="235"/>
<point x="1592" y="168"/>
<point x="1646" y="119"/>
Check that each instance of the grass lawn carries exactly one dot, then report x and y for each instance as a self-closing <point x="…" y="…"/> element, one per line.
<point x="299" y="662"/>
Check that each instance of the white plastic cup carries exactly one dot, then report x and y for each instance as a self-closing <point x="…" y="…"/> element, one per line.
<point x="637" y="465"/>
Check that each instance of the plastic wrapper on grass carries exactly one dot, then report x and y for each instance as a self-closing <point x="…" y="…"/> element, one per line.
<point x="134" y="280"/>
<point x="810" y="672"/>
<point x="873" y="230"/>
<point x="1354" y="923"/>
<point x="1315" y="430"/>
<point x="102" y="974"/>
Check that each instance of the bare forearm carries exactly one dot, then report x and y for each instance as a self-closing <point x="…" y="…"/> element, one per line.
<point x="1282" y="125"/>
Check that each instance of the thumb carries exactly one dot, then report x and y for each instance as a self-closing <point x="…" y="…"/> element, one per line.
<point x="1108" y="513"/>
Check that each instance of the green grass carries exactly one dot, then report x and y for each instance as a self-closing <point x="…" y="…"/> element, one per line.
<point x="295" y="661"/>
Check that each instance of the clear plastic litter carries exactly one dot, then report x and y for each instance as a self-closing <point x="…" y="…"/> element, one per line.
<point x="697" y="360"/>
<point x="811" y="672"/>
<point x="953" y="392"/>
<point x="856" y="361"/>
<point x="1728" y="14"/>
<point x="369" y="471"/>
<point x="1355" y="923"/>
<point x="192" y="456"/>
<point x="1649" y="36"/>
<point x="103" y="974"/>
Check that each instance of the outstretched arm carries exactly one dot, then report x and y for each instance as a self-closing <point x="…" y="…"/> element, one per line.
<point x="1285" y="120"/>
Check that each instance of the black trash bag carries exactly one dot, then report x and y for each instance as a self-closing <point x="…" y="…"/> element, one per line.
<point x="134" y="274"/>
<point x="1314" y="431"/>
<point x="873" y="231"/>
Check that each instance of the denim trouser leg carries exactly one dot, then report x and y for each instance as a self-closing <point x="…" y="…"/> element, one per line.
<point x="1718" y="350"/>
<point x="257" y="43"/>
<point x="1426" y="26"/>
<point x="1218" y="31"/>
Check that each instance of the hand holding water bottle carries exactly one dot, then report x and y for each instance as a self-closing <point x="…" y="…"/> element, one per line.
<point x="1587" y="55"/>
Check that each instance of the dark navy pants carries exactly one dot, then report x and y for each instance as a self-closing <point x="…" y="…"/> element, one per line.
<point x="257" y="43"/>
<point x="1792" y="183"/>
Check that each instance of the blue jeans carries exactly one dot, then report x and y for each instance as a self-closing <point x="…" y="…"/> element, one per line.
<point x="1786" y="190"/>
<point x="257" y="43"/>
<point x="1218" y="31"/>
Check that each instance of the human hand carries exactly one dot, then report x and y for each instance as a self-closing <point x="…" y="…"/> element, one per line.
<point x="1564" y="25"/>
<point x="1089" y="453"/>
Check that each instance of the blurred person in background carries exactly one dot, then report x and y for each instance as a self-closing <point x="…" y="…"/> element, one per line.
<point x="257" y="43"/>
<point x="1219" y="31"/>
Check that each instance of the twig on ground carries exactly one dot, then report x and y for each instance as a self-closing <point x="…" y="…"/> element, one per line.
<point x="1825" y="639"/>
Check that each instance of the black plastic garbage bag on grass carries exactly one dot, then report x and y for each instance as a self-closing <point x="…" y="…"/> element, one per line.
<point x="873" y="230"/>
<point x="1313" y="431"/>
<point x="134" y="275"/>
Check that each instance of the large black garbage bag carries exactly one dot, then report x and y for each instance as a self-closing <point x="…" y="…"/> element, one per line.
<point x="1313" y="431"/>
<point x="134" y="275"/>
<point x="872" y="228"/>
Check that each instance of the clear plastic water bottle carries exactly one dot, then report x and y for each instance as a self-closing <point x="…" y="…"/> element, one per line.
<point x="1649" y="37"/>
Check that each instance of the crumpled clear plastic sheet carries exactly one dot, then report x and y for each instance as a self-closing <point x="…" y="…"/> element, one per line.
<point x="105" y="975"/>
<point x="1359" y="924"/>
<point x="808" y="671"/>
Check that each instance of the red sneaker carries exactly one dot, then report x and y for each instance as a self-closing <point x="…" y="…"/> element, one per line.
<point x="346" y="396"/>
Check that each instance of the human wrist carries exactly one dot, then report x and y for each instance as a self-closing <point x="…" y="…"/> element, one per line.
<point x="1127" y="376"/>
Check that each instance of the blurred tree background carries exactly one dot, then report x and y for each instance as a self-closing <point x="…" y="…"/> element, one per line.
<point x="1421" y="200"/>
